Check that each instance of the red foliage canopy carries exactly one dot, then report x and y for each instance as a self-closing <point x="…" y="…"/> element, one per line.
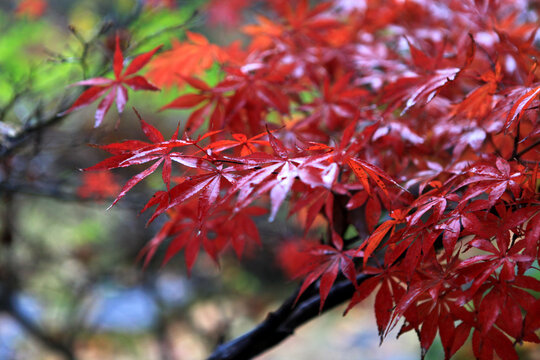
<point x="413" y="124"/>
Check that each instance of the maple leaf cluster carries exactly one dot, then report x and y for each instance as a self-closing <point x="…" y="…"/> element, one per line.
<point x="411" y="124"/>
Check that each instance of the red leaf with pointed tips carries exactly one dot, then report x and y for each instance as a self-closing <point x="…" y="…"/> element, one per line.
<point x="100" y="86"/>
<point x="519" y="107"/>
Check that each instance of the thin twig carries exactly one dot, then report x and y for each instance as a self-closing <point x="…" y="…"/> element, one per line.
<point x="528" y="148"/>
<point x="185" y="24"/>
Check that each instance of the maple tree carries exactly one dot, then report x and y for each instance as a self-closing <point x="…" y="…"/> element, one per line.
<point x="403" y="134"/>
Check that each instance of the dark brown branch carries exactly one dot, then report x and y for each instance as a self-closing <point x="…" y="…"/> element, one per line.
<point x="516" y="143"/>
<point x="134" y="203"/>
<point x="282" y="323"/>
<point x="8" y="287"/>
<point x="11" y="103"/>
<point x="528" y="148"/>
<point x="14" y="142"/>
<point x="52" y="343"/>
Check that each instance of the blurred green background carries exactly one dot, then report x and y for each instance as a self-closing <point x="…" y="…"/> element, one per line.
<point x="70" y="286"/>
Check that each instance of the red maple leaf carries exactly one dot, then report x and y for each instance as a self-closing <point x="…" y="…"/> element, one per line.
<point x="134" y="152"/>
<point x="390" y="292"/>
<point x="277" y="174"/>
<point x="189" y="233"/>
<point x="325" y="262"/>
<point x="186" y="58"/>
<point x="523" y="100"/>
<point x="494" y="180"/>
<point x="247" y="145"/>
<point x="114" y="88"/>
<point x="479" y="102"/>
<point x="422" y="87"/>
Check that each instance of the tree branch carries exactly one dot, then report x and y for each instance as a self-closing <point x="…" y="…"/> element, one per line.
<point x="20" y="139"/>
<point x="135" y="202"/>
<point x="528" y="148"/>
<point x="7" y="293"/>
<point x="48" y="341"/>
<point x="282" y="323"/>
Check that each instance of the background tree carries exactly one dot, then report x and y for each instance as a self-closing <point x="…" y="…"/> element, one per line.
<point x="400" y="138"/>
